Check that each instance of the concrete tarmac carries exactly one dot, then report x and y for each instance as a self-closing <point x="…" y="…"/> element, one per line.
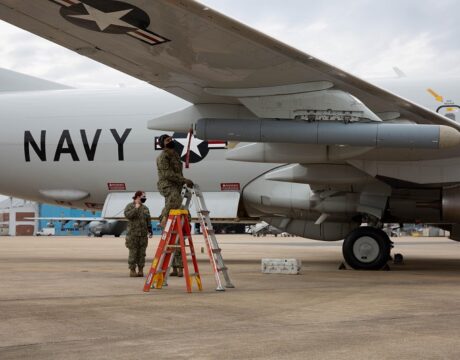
<point x="71" y="298"/>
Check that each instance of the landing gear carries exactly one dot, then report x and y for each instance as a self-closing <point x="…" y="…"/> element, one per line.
<point x="367" y="248"/>
<point x="398" y="259"/>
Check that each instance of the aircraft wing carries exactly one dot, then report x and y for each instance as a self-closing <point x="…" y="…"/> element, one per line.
<point x="192" y="51"/>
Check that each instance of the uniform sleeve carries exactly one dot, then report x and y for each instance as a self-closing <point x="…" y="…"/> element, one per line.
<point x="166" y="171"/>
<point x="131" y="212"/>
<point x="148" y="220"/>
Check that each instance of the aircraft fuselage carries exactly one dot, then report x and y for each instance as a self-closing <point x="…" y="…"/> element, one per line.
<point x="56" y="143"/>
<point x="86" y="143"/>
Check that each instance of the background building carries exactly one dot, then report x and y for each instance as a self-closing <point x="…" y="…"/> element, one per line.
<point x="14" y="214"/>
<point x="70" y="228"/>
<point x="13" y="217"/>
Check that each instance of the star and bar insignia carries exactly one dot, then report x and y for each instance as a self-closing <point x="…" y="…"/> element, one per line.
<point x="199" y="149"/>
<point x="111" y="17"/>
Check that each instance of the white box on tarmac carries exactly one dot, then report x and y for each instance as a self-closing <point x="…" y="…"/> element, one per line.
<point x="281" y="266"/>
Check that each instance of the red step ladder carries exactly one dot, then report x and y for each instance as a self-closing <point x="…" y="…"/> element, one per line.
<point x="176" y="235"/>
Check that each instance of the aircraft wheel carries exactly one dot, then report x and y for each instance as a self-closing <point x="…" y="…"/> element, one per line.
<point x="367" y="248"/>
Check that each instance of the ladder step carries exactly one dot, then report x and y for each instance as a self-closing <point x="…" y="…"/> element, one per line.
<point x="183" y="233"/>
<point x="195" y="197"/>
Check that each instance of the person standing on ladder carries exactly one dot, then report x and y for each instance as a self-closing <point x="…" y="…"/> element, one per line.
<point x="170" y="183"/>
<point x="139" y="228"/>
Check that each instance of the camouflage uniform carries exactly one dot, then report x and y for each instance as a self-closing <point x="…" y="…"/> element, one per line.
<point x="139" y="227"/>
<point x="170" y="183"/>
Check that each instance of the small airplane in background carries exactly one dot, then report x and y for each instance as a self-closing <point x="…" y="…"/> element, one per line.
<point x="97" y="226"/>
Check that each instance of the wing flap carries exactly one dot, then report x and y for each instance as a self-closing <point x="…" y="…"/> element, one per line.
<point x="202" y="49"/>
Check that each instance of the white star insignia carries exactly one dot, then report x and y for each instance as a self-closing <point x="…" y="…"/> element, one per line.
<point x="193" y="145"/>
<point x="103" y="19"/>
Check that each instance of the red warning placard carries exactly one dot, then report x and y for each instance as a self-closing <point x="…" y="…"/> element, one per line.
<point x="230" y="187"/>
<point x="116" y="186"/>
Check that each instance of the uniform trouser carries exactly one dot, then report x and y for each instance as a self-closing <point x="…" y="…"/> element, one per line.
<point x="137" y="246"/>
<point x="173" y="200"/>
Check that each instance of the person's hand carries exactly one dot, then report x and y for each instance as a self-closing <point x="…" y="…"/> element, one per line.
<point x="189" y="183"/>
<point x="137" y="202"/>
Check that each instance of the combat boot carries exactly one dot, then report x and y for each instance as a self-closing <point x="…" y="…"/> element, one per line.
<point x="140" y="273"/>
<point x="174" y="272"/>
<point x="132" y="273"/>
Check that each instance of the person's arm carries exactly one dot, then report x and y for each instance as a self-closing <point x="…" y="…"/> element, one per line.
<point x="148" y="220"/>
<point x="131" y="212"/>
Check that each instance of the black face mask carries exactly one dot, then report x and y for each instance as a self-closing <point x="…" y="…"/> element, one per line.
<point x="143" y="200"/>
<point x="171" y="145"/>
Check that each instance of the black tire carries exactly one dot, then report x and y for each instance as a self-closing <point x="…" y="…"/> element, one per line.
<point x="398" y="259"/>
<point x="382" y="248"/>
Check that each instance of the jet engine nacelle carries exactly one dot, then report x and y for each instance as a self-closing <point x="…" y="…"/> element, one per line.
<point x="451" y="204"/>
<point x="298" y="208"/>
<point x="264" y="197"/>
<point x="425" y="205"/>
<point x="328" y="231"/>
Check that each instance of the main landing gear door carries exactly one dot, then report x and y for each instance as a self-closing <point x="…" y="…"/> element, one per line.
<point x="223" y="206"/>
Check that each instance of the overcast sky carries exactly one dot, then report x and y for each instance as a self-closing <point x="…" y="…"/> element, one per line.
<point x="365" y="37"/>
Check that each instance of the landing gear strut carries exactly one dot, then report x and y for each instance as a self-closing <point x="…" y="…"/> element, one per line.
<point x="367" y="248"/>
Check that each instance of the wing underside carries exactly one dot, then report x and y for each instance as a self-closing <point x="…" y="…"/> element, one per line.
<point x="194" y="52"/>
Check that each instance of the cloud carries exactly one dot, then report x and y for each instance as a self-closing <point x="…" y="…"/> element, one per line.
<point x="365" y="37"/>
<point x="27" y="53"/>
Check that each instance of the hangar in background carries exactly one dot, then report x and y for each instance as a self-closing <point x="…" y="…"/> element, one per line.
<point x="13" y="217"/>
<point x="15" y="212"/>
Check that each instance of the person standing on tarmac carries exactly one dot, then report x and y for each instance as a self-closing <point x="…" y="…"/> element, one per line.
<point x="139" y="229"/>
<point x="170" y="183"/>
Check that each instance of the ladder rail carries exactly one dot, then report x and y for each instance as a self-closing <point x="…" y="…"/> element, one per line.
<point x="159" y="258"/>
<point x="212" y="260"/>
<point x="214" y="251"/>
<point x="177" y="234"/>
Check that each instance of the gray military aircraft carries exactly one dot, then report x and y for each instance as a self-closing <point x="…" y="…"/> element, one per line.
<point x="97" y="226"/>
<point x="280" y="136"/>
